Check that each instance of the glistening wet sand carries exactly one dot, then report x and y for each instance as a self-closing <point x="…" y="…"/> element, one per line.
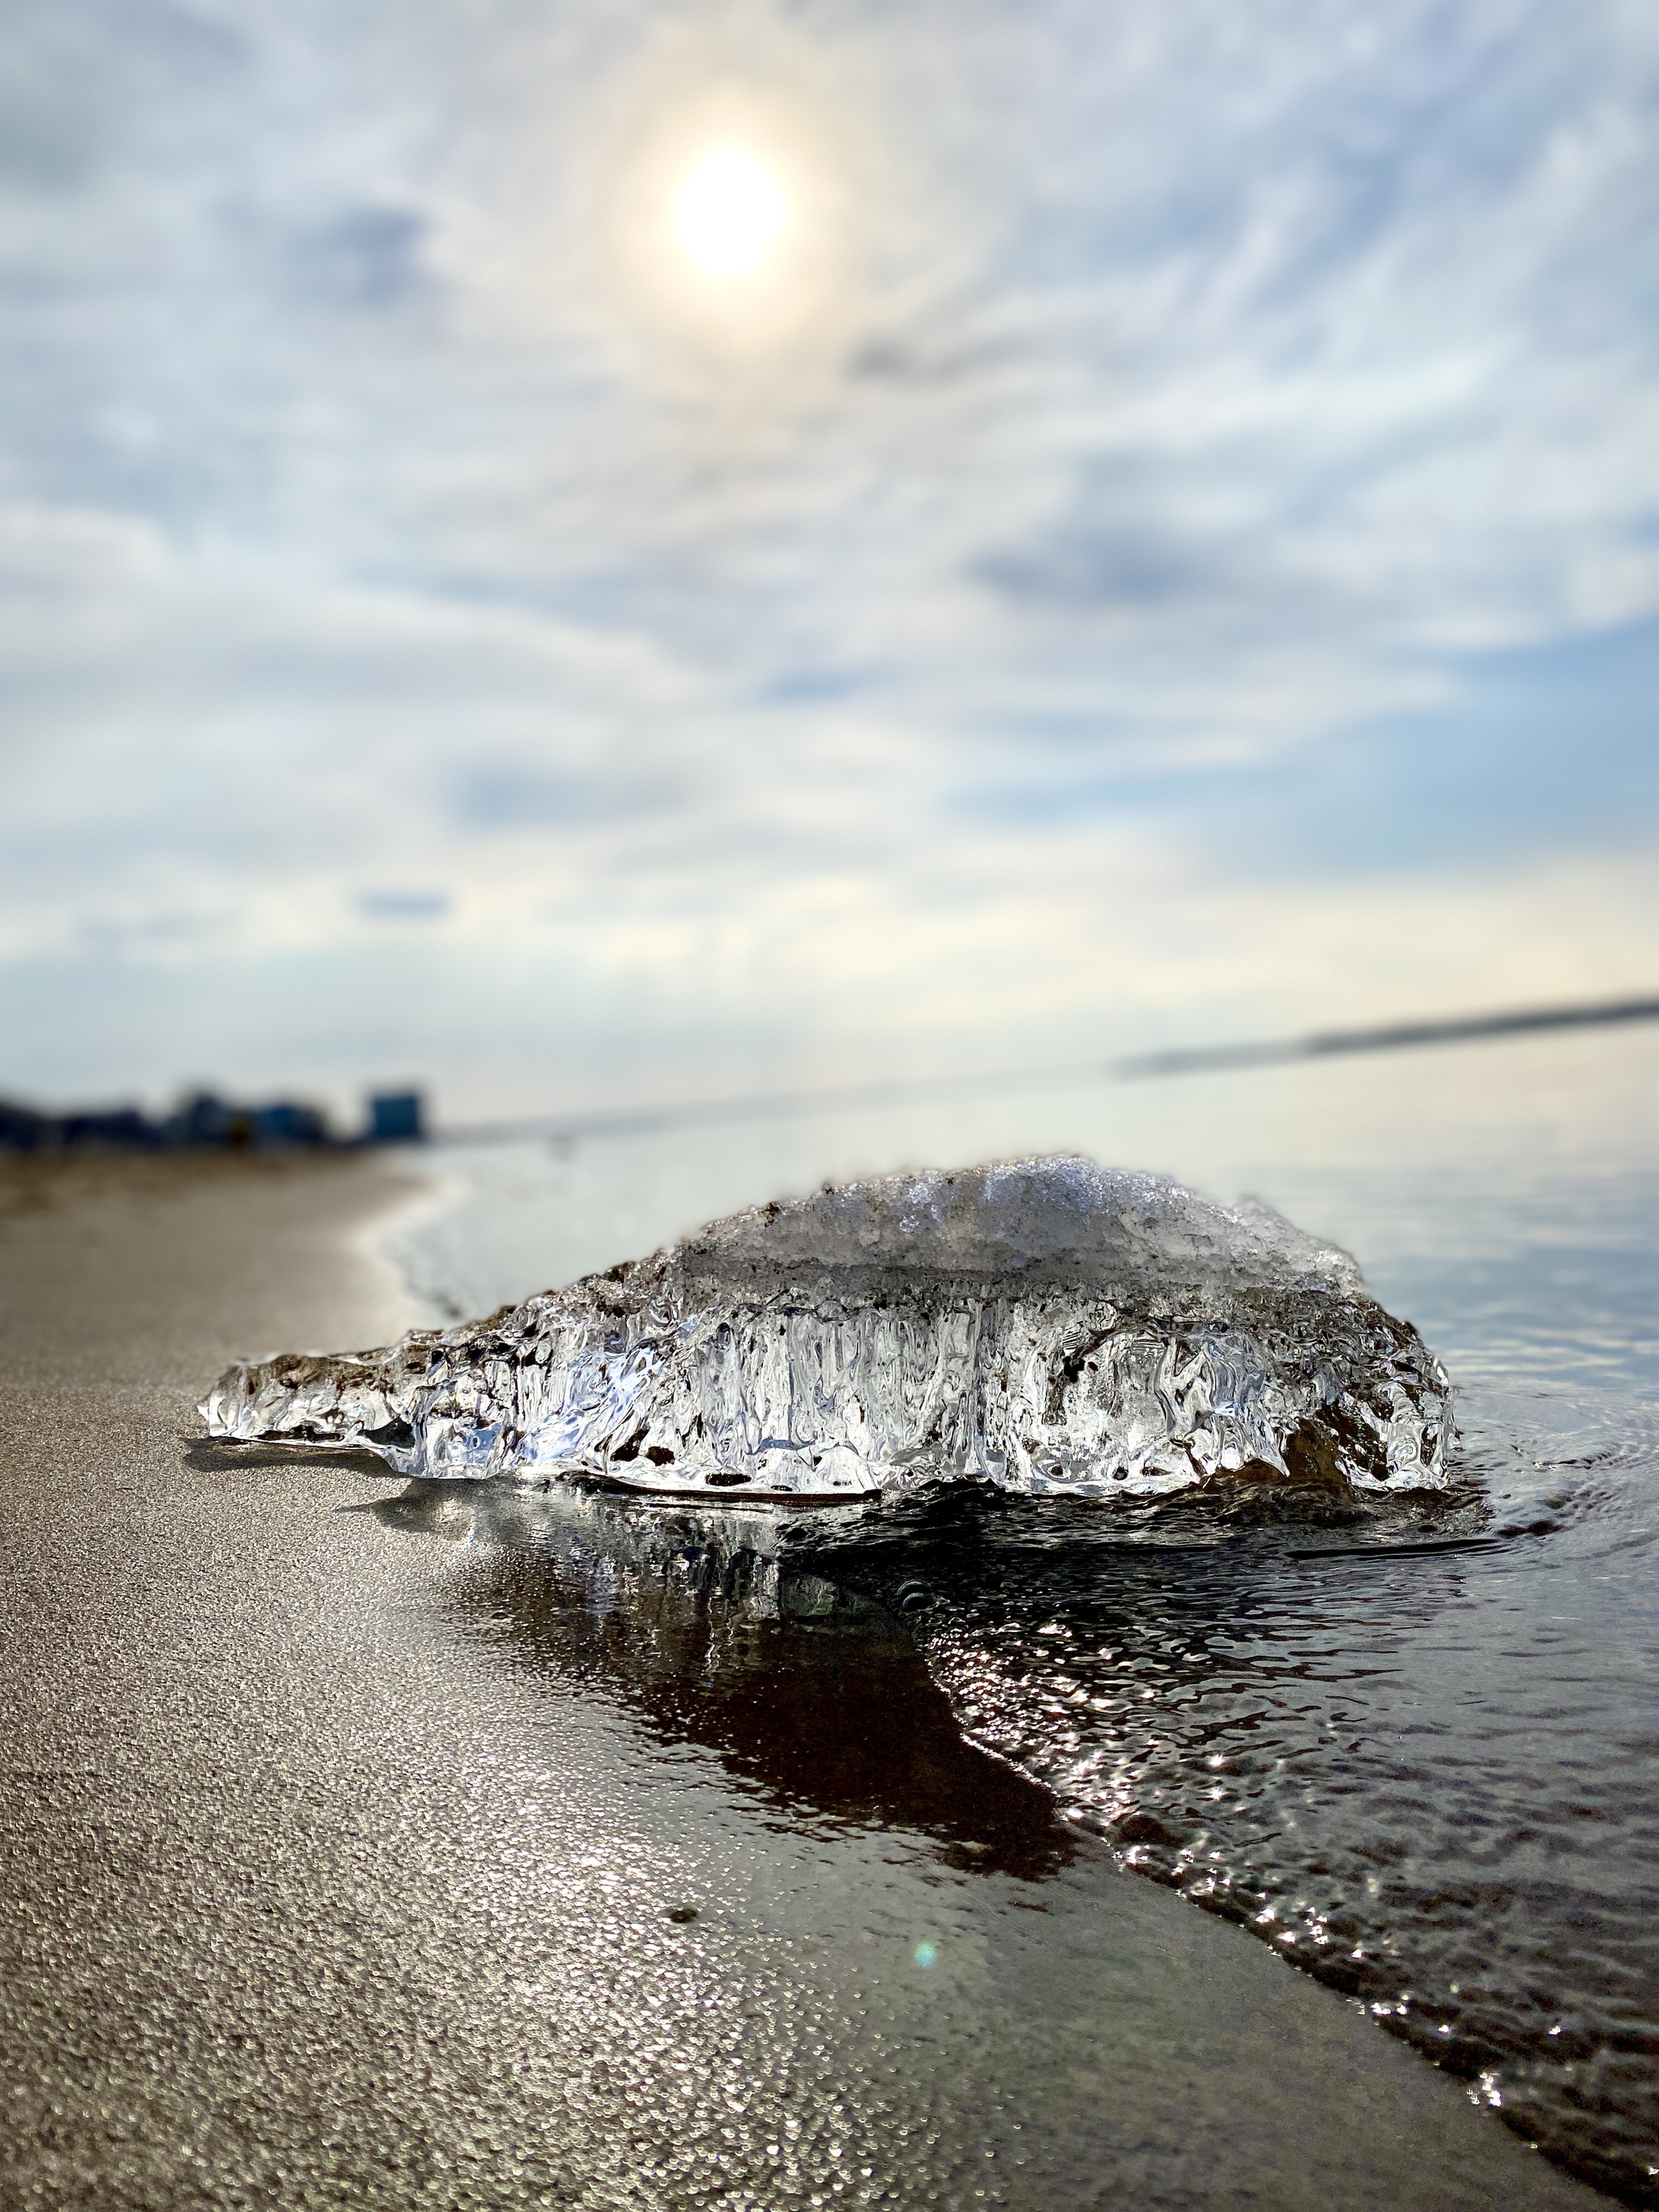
<point x="340" y="1871"/>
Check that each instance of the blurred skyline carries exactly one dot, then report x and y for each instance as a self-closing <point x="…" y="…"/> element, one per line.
<point x="1163" y="547"/>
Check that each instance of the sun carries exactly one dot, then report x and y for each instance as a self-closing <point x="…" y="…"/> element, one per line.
<point x="730" y="212"/>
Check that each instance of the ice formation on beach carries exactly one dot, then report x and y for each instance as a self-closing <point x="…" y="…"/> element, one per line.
<point x="1046" y="1325"/>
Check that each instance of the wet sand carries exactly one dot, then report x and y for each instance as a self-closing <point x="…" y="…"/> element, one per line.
<point x="349" y="1863"/>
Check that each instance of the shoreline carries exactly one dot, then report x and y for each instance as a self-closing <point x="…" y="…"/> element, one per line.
<point x="350" y="1863"/>
<point x="34" y="1182"/>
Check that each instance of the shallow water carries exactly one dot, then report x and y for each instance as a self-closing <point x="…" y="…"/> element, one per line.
<point x="1429" y="1774"/>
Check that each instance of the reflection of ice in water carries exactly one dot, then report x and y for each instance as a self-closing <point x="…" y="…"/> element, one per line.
<point x="1045" y="1326"/>
<point x="719" y="1627"/>
<point x="745" y="1559"/>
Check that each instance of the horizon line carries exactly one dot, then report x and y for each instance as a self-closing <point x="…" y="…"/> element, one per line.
<point x="1317" y="1044"/>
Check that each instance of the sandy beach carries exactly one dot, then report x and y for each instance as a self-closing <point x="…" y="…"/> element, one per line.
<point x="337" y="1873"/>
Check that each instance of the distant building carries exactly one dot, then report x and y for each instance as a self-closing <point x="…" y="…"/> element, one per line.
<point x="202" y="1120"/>
<point x="206" y="1120"/>
<point x="396" y="1117"/>
<point x="21" y="1129"/>
<point x="285" y="1122"/>
<point x="123" y="1127"/>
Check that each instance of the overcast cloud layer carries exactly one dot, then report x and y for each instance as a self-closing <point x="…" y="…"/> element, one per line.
<point x="1176" y="553"/>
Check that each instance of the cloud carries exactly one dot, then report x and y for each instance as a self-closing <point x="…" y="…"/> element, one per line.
<point x="403" y="905"/>
<point x="1214" y="449"/>
<point x="368" y="258"/>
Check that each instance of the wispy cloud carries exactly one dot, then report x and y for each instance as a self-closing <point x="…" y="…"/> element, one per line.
<point x="1210" y="441"/>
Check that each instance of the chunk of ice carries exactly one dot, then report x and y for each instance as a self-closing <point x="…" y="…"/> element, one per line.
<point x="1042" y="1324"/>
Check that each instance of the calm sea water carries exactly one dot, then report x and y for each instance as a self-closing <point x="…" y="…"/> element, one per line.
<point x="1429" y="1775"/>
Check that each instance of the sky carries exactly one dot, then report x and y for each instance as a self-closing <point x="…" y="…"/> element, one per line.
<point x="1162" y="545"/>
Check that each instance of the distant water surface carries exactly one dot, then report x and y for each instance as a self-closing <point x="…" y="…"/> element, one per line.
<point x="1429" y="1774"/>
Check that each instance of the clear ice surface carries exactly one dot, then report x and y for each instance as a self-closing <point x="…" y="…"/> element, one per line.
<point x="1046" y="1325"/>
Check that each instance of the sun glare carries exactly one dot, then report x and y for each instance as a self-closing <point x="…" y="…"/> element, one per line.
<point x="729" y="213"/>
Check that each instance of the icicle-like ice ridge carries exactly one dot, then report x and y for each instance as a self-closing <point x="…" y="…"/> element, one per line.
<point x="1046" y="1325"/>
